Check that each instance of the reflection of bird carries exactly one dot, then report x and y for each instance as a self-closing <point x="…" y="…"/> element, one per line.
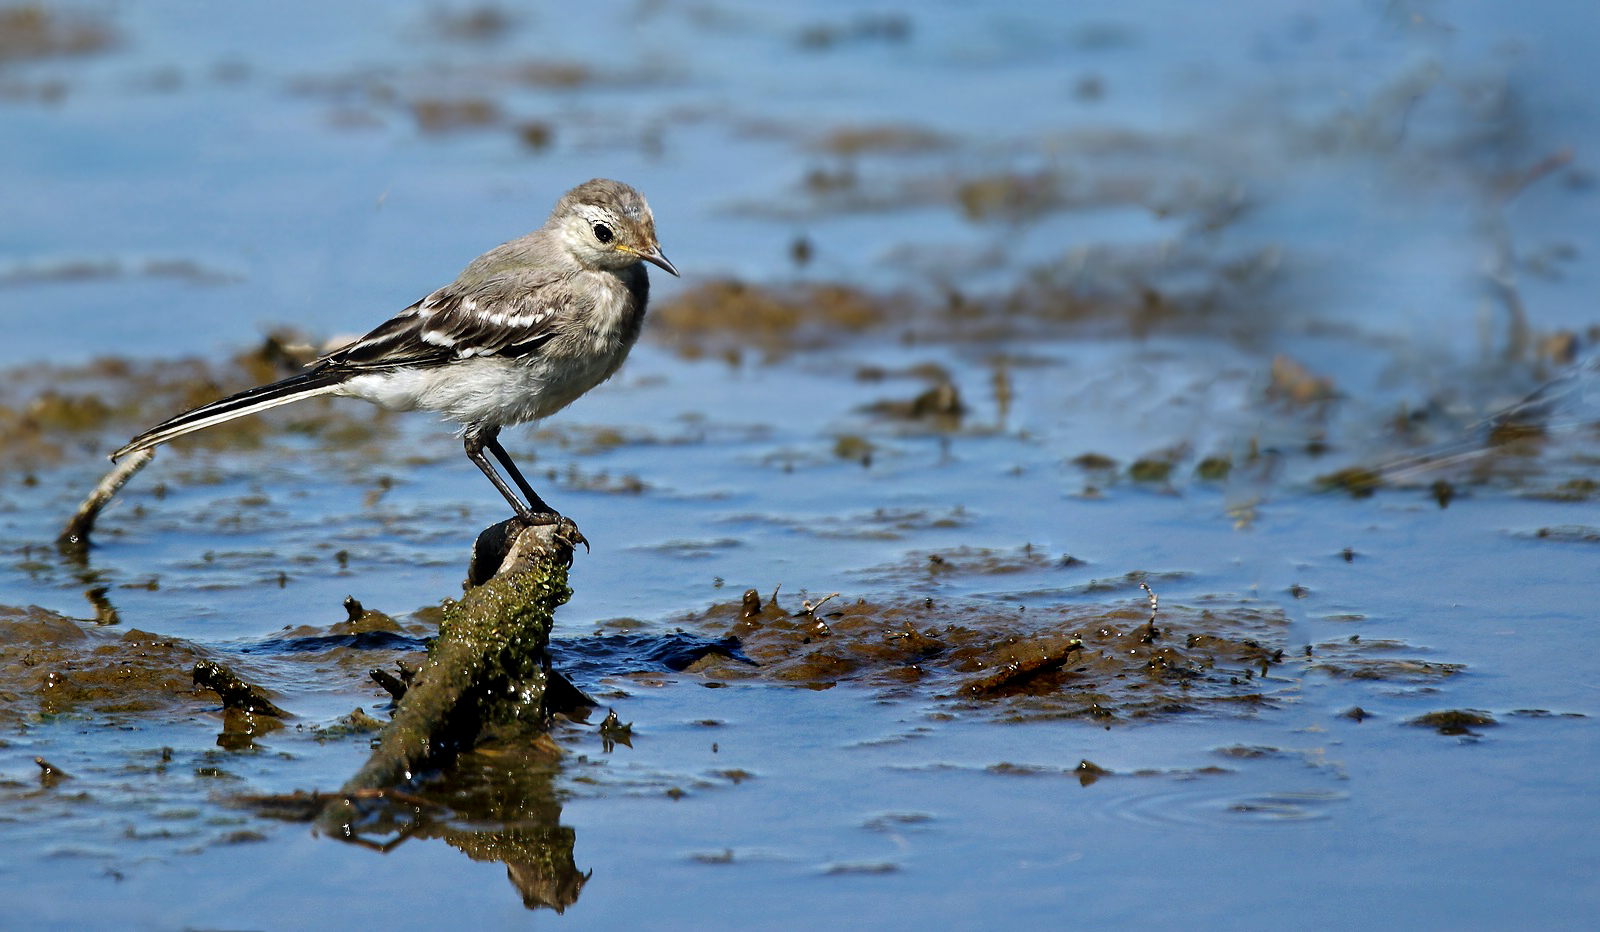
<point x="526" y="328"/>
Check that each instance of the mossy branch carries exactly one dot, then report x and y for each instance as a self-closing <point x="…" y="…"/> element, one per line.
<point x="489" y="665"/>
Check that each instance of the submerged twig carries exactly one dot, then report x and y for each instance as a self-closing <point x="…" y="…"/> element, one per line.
<point x="50" y="774"/>
<point x="1026" y="661"/>
<point x="393" y="685"/>
<point x="806" y="608"/>
<point x="75" y="537"/>
<point x="104" y="612"/>
<point x="1151" y="631"/>
<point x="235" y="693"/>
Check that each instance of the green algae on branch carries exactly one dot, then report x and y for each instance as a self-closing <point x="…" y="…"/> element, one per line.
<point x="496" y="802"/>
<point x="488" y="667"/>
<point x="487" y="673"/>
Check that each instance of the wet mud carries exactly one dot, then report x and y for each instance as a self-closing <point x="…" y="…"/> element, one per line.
<point x="52" y="413"/>
<point x="1106" y="664"/>
<point x="51" y="665"/>
<point x="106" y="676"/>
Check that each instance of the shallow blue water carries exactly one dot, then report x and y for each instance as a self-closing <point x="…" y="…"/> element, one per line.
<point x="216" y="174"/>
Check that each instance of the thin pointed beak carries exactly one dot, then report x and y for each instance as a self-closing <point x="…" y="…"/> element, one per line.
<point x="654" y="257"/>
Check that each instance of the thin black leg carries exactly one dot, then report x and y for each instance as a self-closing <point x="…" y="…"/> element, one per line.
<point x="492" y="442"/>
<point x="473" y="442"/>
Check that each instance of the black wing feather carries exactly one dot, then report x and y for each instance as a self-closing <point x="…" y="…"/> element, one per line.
<point x="449" y="325"/>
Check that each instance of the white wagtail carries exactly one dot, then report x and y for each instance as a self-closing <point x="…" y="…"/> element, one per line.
<point x="523" y="331"/>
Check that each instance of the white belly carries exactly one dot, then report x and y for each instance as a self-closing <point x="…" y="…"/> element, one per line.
<point x="487" y="390"/>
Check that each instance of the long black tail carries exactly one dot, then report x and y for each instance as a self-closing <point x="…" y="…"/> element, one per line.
<point x="294" y="388"/>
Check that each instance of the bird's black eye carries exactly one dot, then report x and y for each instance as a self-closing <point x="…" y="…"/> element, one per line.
<point x="603" y="233"/>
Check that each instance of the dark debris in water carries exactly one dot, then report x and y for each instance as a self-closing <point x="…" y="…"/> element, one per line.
<point x="1572" y="490"/>
<point x="1455" y="721"/>
<point x="730" y="317"/>
<point x="1106" y="664"/>
<point x="50" y="774"/>
<point x="968" y="561"/>
<point x="939" y="406"/>
<point x="1357" y="658"/>
<point x="1088" y="773"/>
<point x="1544" y="448"/>
<point x="1569" y="533"/>
<point x="726" y="316"/>
<point x="358" y="722"/>
<point x="234" y="692"/>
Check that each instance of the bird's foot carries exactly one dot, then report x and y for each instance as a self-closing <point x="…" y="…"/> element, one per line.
<point x="570" y="533"/>
<point x="566" y="528"/>
<point x="495" y="543"/>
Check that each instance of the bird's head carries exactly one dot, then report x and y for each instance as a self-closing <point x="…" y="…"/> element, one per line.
<point x="607" y="225"/>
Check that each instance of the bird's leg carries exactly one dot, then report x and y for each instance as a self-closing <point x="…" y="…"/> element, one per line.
<point x="474" y="441"/>
<point x="539" y="513"/>
<point x="492" y="442"/>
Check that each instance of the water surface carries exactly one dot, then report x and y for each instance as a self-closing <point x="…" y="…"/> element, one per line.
<point x="1292" y="238"/>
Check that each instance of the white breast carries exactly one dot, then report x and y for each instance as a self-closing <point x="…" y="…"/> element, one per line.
<point x="499" y="392"/>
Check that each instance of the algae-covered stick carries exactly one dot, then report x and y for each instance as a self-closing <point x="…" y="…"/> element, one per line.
<point x="488" y="666"/>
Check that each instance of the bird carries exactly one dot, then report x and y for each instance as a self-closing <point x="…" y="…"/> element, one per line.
<point x="522" y="332"/>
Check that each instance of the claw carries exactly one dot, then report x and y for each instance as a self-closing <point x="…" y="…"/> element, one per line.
<point x="569" y="531"/>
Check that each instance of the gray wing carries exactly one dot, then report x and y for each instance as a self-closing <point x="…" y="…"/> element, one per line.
<point x="507" y="318"/>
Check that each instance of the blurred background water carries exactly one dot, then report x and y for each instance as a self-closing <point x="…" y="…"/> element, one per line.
<point x="1298" y="227"/>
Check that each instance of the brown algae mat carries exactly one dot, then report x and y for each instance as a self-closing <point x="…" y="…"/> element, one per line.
<point x="1106" y="664"/>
